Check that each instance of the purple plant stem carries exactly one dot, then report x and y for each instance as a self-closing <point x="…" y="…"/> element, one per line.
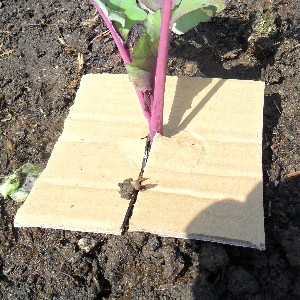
<point x="123" y="51"/>
<point x="156" y="124"/>
<point x="124" y="54"/>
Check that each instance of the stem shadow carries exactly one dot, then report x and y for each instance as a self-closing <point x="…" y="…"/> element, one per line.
<point x="186" y="90"/>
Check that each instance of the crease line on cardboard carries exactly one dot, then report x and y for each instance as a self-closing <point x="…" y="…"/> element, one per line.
<point x="224" y="174"/>
<point x="222" y="139"/>
<point x="200" y="195"/>
<point x="69" y="184"/>
<point x="94" y="141"/>
<point x="71" y="139"/>
<point x="102" y="118"/>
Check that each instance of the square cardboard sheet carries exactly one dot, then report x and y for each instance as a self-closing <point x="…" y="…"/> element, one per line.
<point x="204" y="177"/>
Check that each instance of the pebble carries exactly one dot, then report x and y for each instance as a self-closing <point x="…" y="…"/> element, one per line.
<point x="190" y="68"/>
<point x="86" y="244"/>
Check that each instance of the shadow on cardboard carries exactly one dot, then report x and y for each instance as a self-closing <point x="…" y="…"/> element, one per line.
<point x="187" y="89"/>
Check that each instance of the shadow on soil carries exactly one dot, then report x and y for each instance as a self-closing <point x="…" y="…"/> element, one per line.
<point x="227" y="48"/>
<point x="239" y="221"/>
<point x="239" y="60"/>
<point x="243" y="219"/>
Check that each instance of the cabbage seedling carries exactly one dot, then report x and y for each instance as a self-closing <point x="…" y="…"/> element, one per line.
<point x="148" y="23"/>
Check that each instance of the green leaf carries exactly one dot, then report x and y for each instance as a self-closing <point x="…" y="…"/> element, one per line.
<point x="142" y="79"/>
<point x="151" y="5"/>
<point x="124" y="13"/>
<point x="141" y="70"/>
<point x="154" y="5"/>
<point x="189" y="13"/>
<point x="18" y="185"/>
<point x="186" y="14"/>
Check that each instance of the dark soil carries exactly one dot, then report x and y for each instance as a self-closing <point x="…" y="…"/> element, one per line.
<point x="39" y="75"/>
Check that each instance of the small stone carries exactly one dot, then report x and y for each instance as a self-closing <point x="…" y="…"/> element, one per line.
<point x="190" y="68"/>
<point x="86" y="244"/>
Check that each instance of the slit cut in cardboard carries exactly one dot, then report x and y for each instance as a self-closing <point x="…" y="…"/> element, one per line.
<point x="203" y="177"/>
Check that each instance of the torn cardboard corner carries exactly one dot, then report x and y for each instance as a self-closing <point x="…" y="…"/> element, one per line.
<point x="204" y="177"/>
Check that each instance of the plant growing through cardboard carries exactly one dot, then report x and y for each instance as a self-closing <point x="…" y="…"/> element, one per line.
<point x="149" y="23"/>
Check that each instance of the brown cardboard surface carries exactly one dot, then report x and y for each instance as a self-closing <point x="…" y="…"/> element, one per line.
<point x="100" y="147"/>
<point x="204" y="176"/>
